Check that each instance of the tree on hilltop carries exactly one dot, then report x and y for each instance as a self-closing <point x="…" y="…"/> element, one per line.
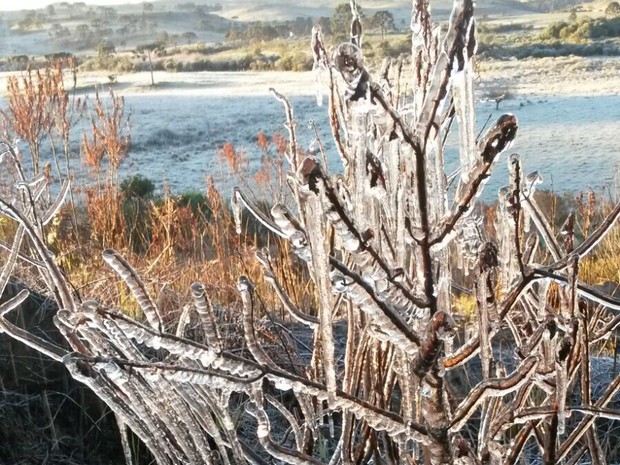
<point x="145" y="51"/>
<point x="613" y="9"/>
<point x="340" y="20"/>
<point x="382" y="20"/>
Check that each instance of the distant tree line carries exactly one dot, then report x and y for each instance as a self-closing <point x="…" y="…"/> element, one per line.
<point x="381" y="21"/>
<point x="190" y="6"/>
<point x="583" y="28"/>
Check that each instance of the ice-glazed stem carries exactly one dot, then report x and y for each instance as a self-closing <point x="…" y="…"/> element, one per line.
<point x="291" y="456"/>
<point x="584" y="290"/>
<point x="238" y="198"/>
<point x="60" y="283"/>
<point x="493" y="387"/>
<point x="203" y="307"/>
<point x="47" y="348"/>
<point x="488" y="317"/>
<point x="541" y="223"/>
<point x="270" y="277"/>
<point x="592" y="241"/>
<point x="471" y="347"/>
<point x="293" y="157"/>
<point x="9" y="265"/>
<point x="586" y="423"/>
<point x="246" y="289"/>
<point x="131" y="278"/>
<point x="496" y="140"/>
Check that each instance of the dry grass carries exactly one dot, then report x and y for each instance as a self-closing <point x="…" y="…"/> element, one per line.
<point x="172" y="239"/>
<point x="169" y="239"/>
<point x="604" y="264"/>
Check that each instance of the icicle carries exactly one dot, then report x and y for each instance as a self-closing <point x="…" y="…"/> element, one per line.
<point x="488" y="317"/>
<point x="183" y="321"/>
<point x="235" y="203"/>
<point x="543" y="289"/>
<point x="314" y="147"/>
<point x="562" y="355"/>
<point x="463" y="94"/>
<point x="320" y="62"/>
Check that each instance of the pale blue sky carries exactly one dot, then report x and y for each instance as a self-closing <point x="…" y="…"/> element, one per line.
<point x="6" y="5"/>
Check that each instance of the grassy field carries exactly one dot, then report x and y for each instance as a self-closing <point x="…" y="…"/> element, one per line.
<point x="192" y="37"/>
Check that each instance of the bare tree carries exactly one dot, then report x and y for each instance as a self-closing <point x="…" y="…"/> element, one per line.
<point x="377" y="242"/>
<point x="146" y="51"/>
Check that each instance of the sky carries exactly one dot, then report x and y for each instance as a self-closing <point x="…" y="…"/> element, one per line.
<point x="6" y="5"/>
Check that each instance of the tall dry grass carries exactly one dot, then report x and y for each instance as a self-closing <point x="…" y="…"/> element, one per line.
<point x="171" y="238"/>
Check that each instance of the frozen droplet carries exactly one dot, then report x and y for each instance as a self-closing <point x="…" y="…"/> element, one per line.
<point x="314" y="146"/>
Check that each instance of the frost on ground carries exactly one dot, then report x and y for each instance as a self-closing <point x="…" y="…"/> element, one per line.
<point x="567" y="107"/>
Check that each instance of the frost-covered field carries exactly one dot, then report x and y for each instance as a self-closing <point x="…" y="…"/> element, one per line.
<point x="568" y="119"/>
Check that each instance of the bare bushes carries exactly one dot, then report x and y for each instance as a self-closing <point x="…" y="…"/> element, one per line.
<point x="376" y="242"/>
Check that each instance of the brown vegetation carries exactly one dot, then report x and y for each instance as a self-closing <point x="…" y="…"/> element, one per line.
<point x="371" y="250"/>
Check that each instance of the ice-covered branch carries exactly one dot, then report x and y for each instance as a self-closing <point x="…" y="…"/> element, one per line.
<point x="584" y="290"/>
<point x="492" y="388"/>
<point x="497" y="139"/>
<point x="270" y="277"/>
<point x="45" y="347"/>
<point x="136" y="286"/>
<point x="592" y="241"/>
<point x="203" y="307"/>
<point x="246" y="289"/>
<point x="293" y="457"/>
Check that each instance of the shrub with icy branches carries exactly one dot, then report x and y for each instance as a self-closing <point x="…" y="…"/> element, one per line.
<point x="377" y="240"/>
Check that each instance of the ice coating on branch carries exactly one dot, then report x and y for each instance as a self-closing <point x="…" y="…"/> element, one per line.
<point x="493" y="387"/>
<point x="235" y="203"/>
<point x="246" y="289"/>
<point x="530" y="205"/>
<point x="562" y="354"/>
<point x="136" y="286"/>
<point x="375" y="243"/>
<point x="292" y="230"/>
<point x="488" y="316"/>
<point x="320" y="61"/>
<point x="499" y="137"/>
<point x="348" y="60"/>
<point x="203" y="307"/>
<point x="462" y="92"/>
<point x="58" y="203"/>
